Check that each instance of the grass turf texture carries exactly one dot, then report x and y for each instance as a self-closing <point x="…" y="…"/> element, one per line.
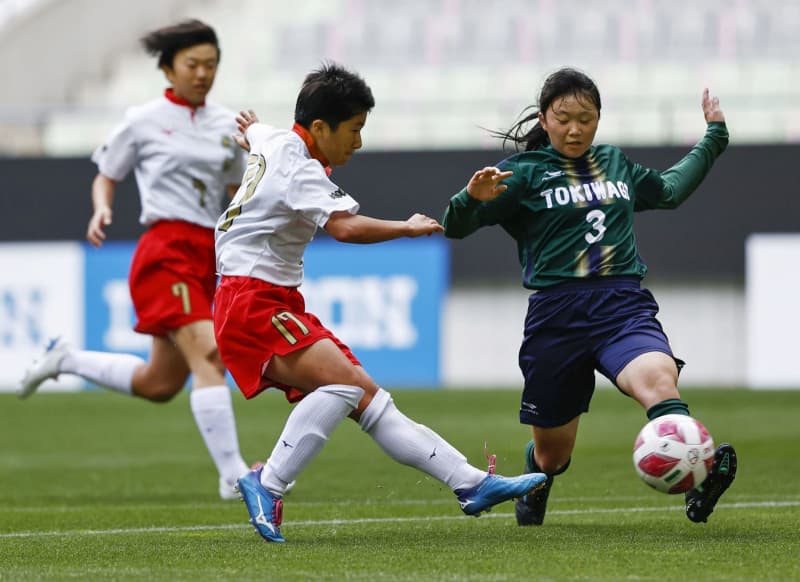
<point x="94" y="486"/>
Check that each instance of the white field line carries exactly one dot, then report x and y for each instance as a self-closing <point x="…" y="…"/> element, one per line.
<point x="358" y="521"/>
<point x="388" y="502"/>
<point x="375" y="501"/>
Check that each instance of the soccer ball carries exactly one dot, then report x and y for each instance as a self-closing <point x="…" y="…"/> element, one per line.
<point x="673" y="453"/>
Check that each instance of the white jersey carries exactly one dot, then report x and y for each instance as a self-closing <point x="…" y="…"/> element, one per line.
<point x="183" y="159"/>
<point x="284" y="197"/>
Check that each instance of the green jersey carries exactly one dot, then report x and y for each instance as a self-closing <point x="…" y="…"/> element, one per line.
<point x="572" y="218"/>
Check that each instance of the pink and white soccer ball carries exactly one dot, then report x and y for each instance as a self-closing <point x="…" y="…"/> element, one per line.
<point x="673" y="453"/>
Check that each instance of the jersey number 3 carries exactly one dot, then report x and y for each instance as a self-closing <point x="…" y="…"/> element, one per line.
<point x="596" y="218"/>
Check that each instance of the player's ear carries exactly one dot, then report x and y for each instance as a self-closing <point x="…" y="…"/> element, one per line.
<point x="317" y="128"/>
<point x="168" y="73"/>
<point x="542" y="121"/>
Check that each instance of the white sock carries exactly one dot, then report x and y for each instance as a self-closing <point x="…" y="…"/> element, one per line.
<point x="306" y="431"/>
<point x="213" y="412"/>
<point x="109" y="370"/>
<point x="416" y="445"/>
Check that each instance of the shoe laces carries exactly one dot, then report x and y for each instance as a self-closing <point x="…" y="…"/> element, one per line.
<point x="491" y="460"/>
<point x="277" y="512"/>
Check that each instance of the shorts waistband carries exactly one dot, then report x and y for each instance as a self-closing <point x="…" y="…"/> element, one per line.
<point x="611" y="282"/>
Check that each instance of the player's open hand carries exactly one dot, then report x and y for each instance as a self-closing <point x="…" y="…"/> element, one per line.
<point x="485" y="184"/>
<point x="711" y="107"/>
<point x="423" y="225"/>
<point x="94" y="232"/>
<point x="244" y="120"/>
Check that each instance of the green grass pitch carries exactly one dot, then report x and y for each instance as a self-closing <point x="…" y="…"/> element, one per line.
<point x="94" y="486"/>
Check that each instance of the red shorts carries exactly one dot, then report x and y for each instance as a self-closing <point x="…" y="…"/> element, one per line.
<point x="172" y="277"/>
<point x="254" y="320"/>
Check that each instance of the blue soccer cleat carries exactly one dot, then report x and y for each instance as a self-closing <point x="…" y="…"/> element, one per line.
<point x="495" y="489"/>
<point x="228" y="489"/>
<point x="265" y="509"/>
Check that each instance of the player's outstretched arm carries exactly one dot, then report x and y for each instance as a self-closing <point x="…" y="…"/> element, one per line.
<point x="102" y="196"/>
<point x="355" y="228"/>
<point x="683" y="178"/>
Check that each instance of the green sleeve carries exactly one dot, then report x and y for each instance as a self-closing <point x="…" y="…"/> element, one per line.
<point x="464" y="215"/>
<point x="670" y="188"/>
<point x="461" y="216"/>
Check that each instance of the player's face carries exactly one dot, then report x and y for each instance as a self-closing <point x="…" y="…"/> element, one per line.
<point x="192" y="72"/>
<point x="571" y="123"/>
<point x="340" y="145"/>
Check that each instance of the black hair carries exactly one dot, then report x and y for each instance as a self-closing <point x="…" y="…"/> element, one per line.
<point x="563" y="82"/>
<point x="332" y="94"/>
<point x="166" y="42"/>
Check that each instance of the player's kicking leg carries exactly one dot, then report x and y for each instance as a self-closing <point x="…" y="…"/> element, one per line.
<point x="700" y="502"/>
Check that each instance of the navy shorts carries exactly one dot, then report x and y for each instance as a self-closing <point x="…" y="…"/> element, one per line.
<point x="575" y="328"/>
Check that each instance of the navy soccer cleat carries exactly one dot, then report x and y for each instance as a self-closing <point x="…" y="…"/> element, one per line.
<point x="530" y="509"/>
<point x="265" y="509"/>
<point x="700" y="501"/>
<point x="495" y="489"/>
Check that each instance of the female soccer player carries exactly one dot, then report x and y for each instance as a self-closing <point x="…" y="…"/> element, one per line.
<point x="569" y="205"/>
<point x="187" y="166"/>
<point x="265" y="335"/>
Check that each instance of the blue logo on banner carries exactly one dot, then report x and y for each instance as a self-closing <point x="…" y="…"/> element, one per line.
<point x="384" y="301"/>
<point x="109" y="312"/>
<point x="21" y="314"/>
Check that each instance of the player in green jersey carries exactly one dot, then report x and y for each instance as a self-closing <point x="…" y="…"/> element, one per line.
<point x="569" y="205"/>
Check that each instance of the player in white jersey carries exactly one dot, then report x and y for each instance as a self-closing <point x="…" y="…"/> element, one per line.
<point x="187" y="165"/>
<point x="266" y="337"/>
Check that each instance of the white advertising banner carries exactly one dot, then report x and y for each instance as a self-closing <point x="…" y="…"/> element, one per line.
<point x="41" y="297"/>
<point x="773" y="310"/>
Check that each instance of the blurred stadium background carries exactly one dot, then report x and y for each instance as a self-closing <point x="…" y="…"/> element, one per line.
<point x="441" y="71"/>
<point x="440" y="68"/>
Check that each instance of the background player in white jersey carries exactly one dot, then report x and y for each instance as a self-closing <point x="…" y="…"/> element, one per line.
<point x="266" y="337"/>
<point x="187" y="166"/>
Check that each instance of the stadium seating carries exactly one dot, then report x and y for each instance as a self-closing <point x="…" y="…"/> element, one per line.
<point x="440" y="69"/>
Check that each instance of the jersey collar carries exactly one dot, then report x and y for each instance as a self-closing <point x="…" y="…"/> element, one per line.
<point x="315" y="152"/>
<point x="170" y="95"/>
